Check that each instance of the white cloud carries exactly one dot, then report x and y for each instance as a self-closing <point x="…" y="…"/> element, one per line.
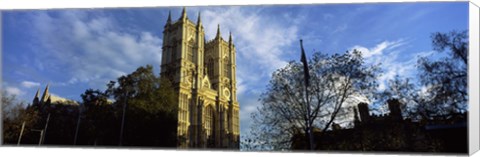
<point x="30" y="84"/>
<point x="389" y="55"/>
<point x="92" y="49"/>
<point x="379" y="48"/>
<point x="13" y="91"/>
<point x="261" y="41"/>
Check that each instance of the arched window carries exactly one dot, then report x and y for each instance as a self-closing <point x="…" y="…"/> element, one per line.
<point x="225" y="67"/>
<point x="210" y="68"/>
<point x="190" y="50"/>
<point x="209" y="120"/>
<point x="172" y="54"/>
<point x="235" y="121"/>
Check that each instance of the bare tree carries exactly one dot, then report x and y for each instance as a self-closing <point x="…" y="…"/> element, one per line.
<point x="334" y="79"/>
<point x="445" y="79"/>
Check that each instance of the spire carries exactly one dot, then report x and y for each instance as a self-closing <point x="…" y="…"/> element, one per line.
<point x="36" y="99"/>
<point x="45" y="94"/>
<point x="37" y="95"/>
<point x="169" y="20"/>
<point x="230" y="37"/>
<point x="184" y="14"/>
<point x="199" y="20"/>
<point x="218" y="32"/>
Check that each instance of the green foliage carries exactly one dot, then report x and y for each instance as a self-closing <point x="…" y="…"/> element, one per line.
<point x="151" y="111"/>
<point x="97" y="123"/>
<point x="151" y="115"/>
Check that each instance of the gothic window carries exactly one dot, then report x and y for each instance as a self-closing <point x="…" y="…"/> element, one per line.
<point x="235" y="121"/>
<point x="209" y="120"/>
<point x="190" y="50"/>
<point x="210" y="68"/>
<point x="173" y="53"/>
<point x="225" y="67"/>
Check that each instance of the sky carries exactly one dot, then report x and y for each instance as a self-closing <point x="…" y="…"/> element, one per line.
<point x="76" y="49"/>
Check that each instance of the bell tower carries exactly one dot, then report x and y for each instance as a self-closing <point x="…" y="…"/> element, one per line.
<point x="203" y="75"/>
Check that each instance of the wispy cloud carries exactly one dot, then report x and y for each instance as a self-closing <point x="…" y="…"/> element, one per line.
<point x="379" y="48"/>
<point x="92" y="49"/>
<point x="390" y="56"/>
<point x="30" y="84"/>
<point x="14" y="91"/>
<point x="258" y="46"/>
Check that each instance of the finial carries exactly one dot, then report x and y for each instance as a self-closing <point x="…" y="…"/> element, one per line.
<point x="230" y="37"/>
<point x="218" y="31"/>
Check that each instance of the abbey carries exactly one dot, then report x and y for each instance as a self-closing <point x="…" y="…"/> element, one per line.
<point x="203" y="75"/>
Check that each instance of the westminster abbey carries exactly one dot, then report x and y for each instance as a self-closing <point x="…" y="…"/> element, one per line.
<point x="203" y="75"/>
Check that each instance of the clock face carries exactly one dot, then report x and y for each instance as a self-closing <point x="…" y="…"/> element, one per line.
<point x="226" y="92"/>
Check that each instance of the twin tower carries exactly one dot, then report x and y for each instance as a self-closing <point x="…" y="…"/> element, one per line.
<point x="203" y="74"/>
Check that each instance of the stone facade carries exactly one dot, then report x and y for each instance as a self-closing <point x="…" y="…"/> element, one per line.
<point x="49" y="98"/>
<point x="203" y="75"/>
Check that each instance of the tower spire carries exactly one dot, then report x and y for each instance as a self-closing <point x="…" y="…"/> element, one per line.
<point x="218" y="32"/>
<point x="169" y="20"/>
<point x="184" y="14"/>
<point x="199" y="20"/>
<point x="37" y="95"/>
<point x="45" y="94"/>
<point x="230" y="37"/>
<point x="36" y="99"/>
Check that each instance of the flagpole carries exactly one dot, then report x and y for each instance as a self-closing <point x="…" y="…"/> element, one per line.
<point x="120" y="141"/>
<point x="310" y="129"/>
<point x="307" y="77"/>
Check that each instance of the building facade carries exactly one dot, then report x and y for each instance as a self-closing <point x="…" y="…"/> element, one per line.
<point x="48" y="98"/>
<point x="203" y="75"/>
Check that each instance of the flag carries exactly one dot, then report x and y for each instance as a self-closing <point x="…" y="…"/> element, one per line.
<point x="305" y="64"/>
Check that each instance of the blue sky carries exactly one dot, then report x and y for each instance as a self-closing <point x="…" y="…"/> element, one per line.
<point x="77" y="49"/>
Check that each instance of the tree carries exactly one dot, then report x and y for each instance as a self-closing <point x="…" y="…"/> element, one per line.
<point x="96" y="121"/>
<point x="151" y="111"/>
<point x="334" y="81"/>
<point x="14" y="114"/>
<point x="446" y="79"/>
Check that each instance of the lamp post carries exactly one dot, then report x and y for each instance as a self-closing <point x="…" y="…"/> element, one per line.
<point x="123" y="119"/>
<point x="78" y="124"/>
<point x="45" y="129"/>
<point x="21" y="133"/>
